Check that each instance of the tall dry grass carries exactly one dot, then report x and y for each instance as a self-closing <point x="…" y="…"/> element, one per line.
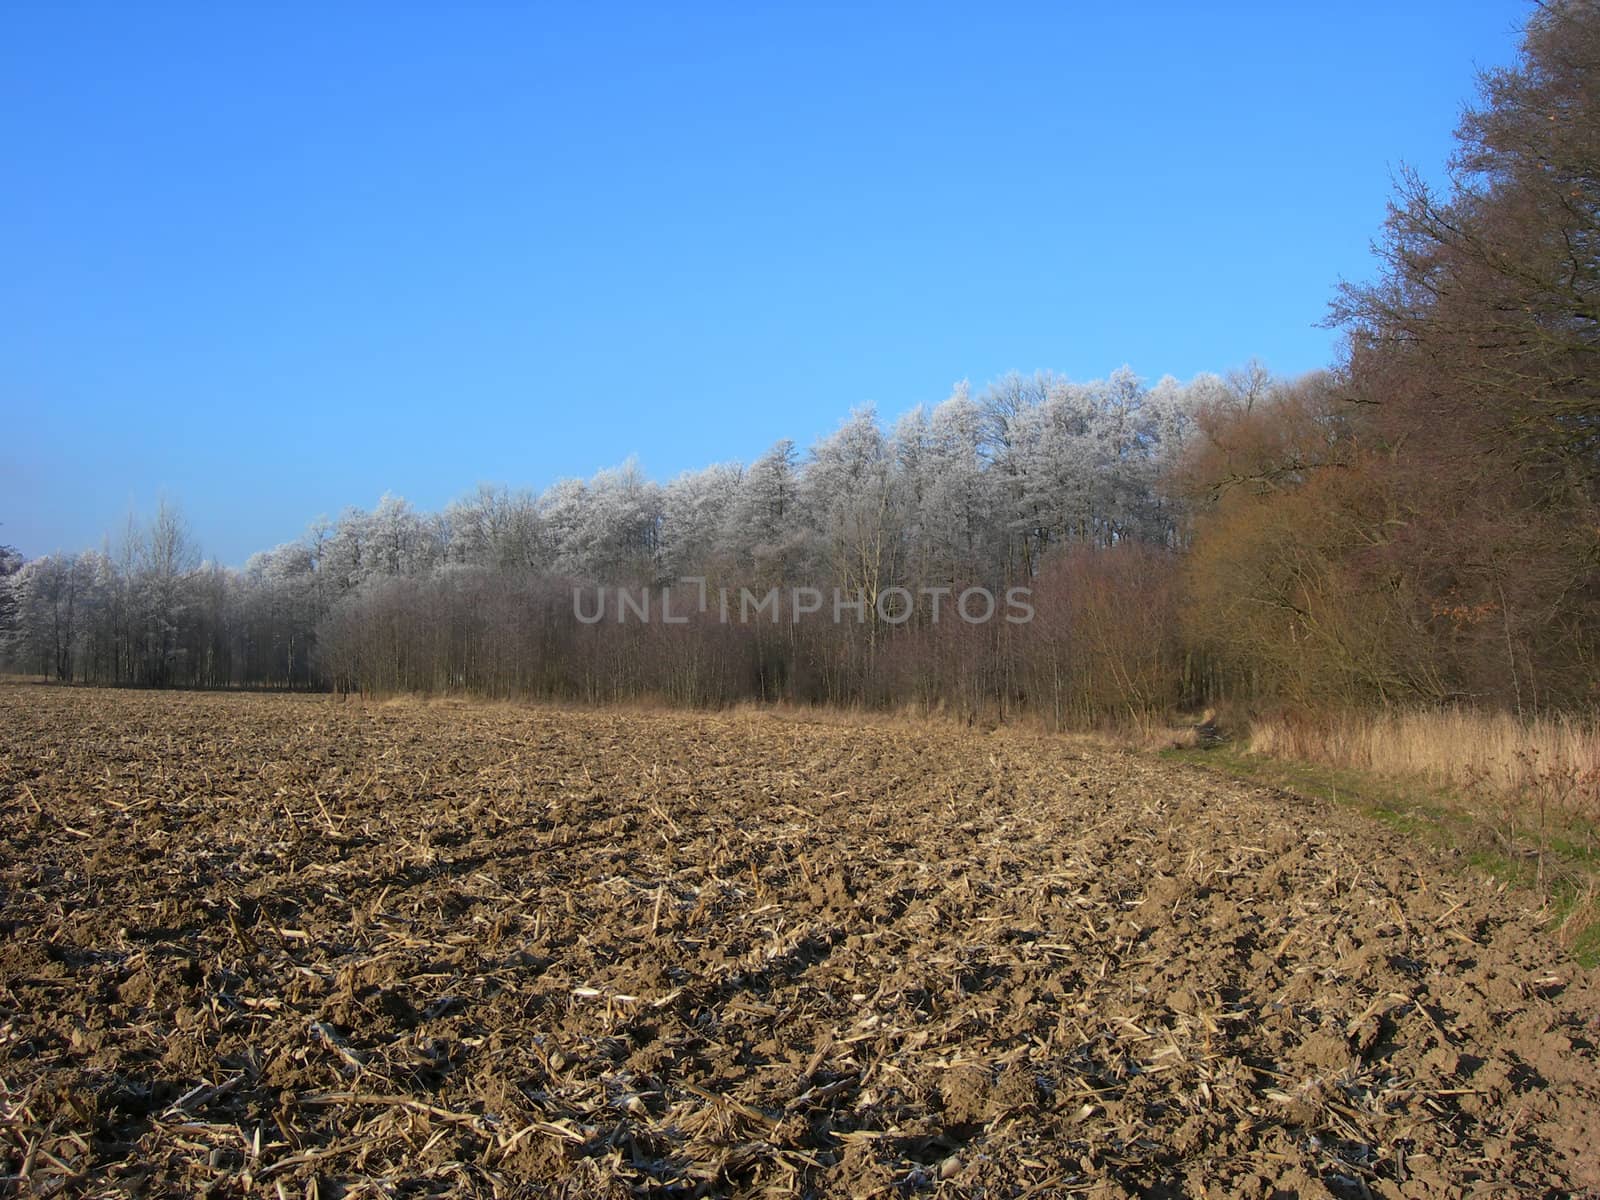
<point x="1556" y="759"/>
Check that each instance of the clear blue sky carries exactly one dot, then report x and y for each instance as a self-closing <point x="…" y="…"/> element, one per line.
<point x="271" y="263"/>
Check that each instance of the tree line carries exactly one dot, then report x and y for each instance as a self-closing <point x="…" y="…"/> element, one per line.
<point x="987" y="490"/>
<point x="1418" y="524"/>
<point x="1424" y="528"/>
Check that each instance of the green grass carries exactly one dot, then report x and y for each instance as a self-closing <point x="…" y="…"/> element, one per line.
<point x="1499" y="840"/>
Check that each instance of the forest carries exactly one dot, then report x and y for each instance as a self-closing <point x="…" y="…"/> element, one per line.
<point x="1416" y="526"/>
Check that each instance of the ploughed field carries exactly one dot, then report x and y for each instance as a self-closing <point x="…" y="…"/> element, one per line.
<point x="288" y="946"/>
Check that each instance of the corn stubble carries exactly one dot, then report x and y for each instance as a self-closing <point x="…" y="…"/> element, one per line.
<point x="285" y="946"/>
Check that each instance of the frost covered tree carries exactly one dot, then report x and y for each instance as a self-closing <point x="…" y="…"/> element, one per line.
<point x="620" y="534"/>
<point x="10" y="564"/>
<point x="696" y="508"/>
<point x="851" y="500"/>
<point x="762" y="526"/>
<point x="54" y="595"/>
<point x="400" y="540"/>
<point x="282" y="605"/>
<point x="498" y="529"/>
<point x="164" y="556"/>
<point x="950" y="491"/>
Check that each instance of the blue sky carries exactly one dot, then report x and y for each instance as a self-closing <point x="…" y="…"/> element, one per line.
<point x="272" y="263"/>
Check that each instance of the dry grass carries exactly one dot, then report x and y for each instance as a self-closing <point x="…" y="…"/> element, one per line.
<point x="1494" y="756"/>
<point x="1528" y="790"/>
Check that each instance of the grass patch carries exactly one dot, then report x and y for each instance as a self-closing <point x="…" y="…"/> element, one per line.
<point x="1502" y="838"/>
